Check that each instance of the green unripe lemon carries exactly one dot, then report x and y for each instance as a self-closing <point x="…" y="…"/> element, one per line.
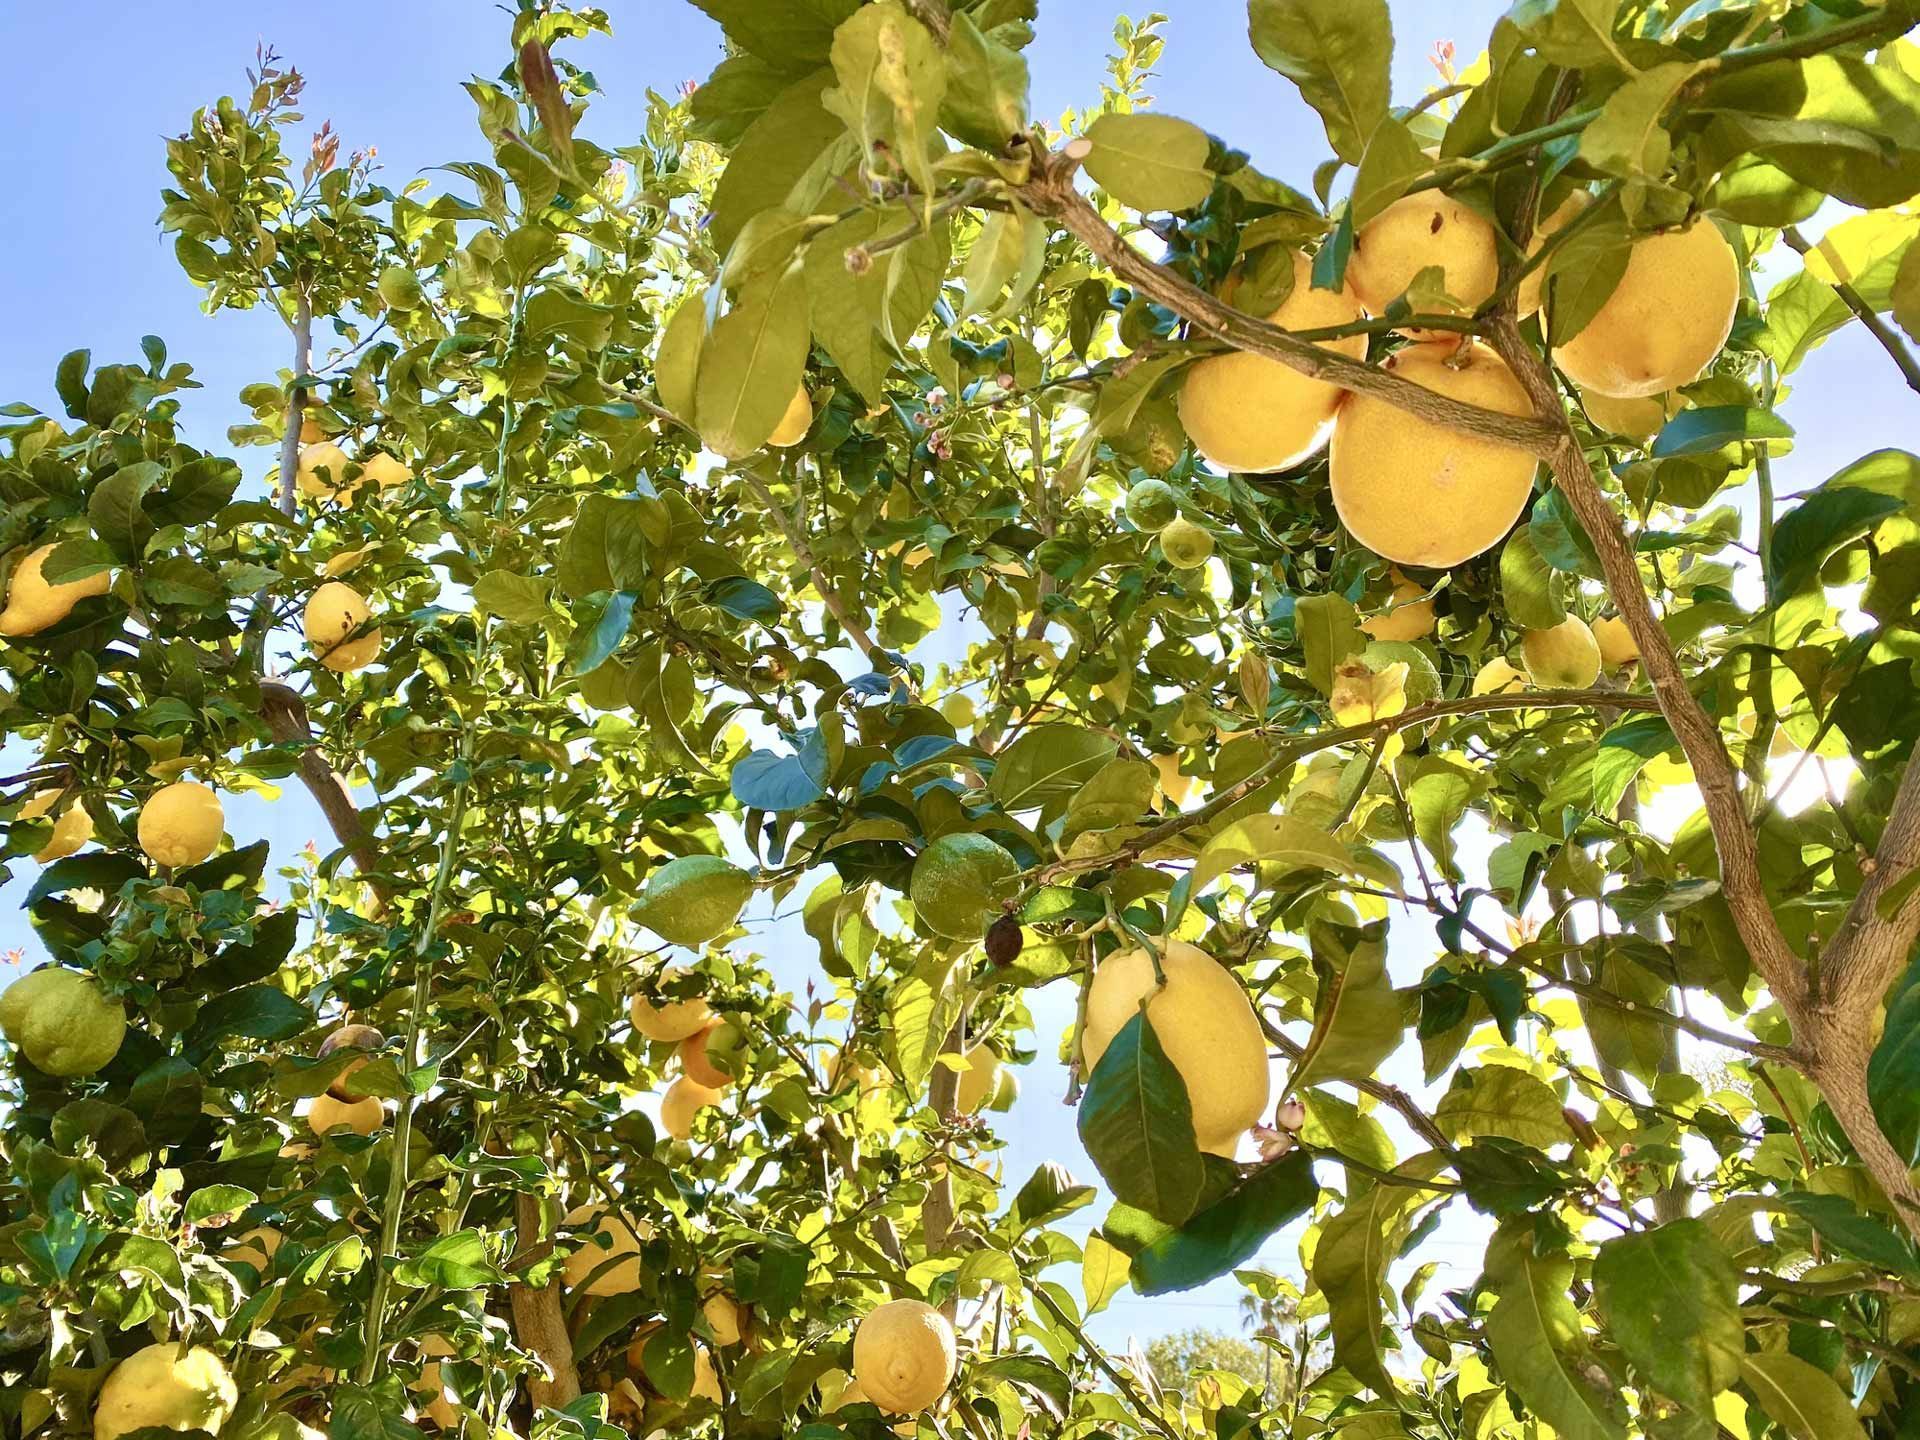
<point x="956" y="884"/>
<point x="62" y="1022"/>
<point x="400" y="288"/>
<point x="1186" y="545"/>
<point x="690" y="900"/>
<point x="1152" y="505"/>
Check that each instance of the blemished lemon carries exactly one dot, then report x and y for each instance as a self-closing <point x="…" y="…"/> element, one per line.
<point x="904" y="1356"/>
<point x="1250" y="414"/>
<point x="1616" y="642"/>
<point x="612" y="1268"/>
<point x="671" y="1021"/>
<point x="1419" y="231"/>
<point x="1205" y="1025"/>
<point x="793" y="425"/>
<point x="1562" y="657"/>
<point x="1186" y="545"/>
<point x="168" y="1386"/>
<point x="362" y="1117"/>
<point x="33" y="605"/>
<point x="71" y="830"/>
<point x="335" y="613"/>
<point x="1418" y="493"/>
<point x="1409" y="616"/>
<point x="181" y="824"/>
<point x="62" y="1021"/>
<point x="1665" y="321"/>
<point x="684" y="1099"/>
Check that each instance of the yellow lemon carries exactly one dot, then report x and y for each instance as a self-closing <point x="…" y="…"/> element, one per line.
<point x="1499" y="677"/>
<point x="671" y="1021"/>
<point x="793" y="425"/>
<point x="62" y="1021"/>
<point x="1418" y="493"/>
<point x="612" y="1269"/>
<point x="1409" y="615"/>
<point x="979" y="1078"/>
<point x="349" y="1037"/>
<point x="723" y="1318"/>
<point x="362" y="1117"/>
<point x="1666" y="319"/>
<point x="1415" y="233"/>
<point x="181" y="824"/>
<point x="73" y="828"/>
<point x="1205" y="1025"/>
<point x="33" y="605"/>
<point x="170" y="1387"/>
<point x="1562" y="657"/>
<point x="684" y="1099"/>
<point x="1616" y="642"/>
<point x="904" y="1356"/>
<point x="336" y="612"/>
<point x="1638" y="417"/>
<point x="698" y="1063"/>
<point x="1251" y="414"/>
<point x="384" y="471"/>
<point x="323" y="473"/>
<point x="1186" y="545"/>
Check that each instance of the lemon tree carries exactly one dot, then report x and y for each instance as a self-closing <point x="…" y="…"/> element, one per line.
<point x="790" y="615"/>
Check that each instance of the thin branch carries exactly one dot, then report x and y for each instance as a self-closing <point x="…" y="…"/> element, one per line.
<point x="830" y="597"/>
<point x="1392" y="1096"/>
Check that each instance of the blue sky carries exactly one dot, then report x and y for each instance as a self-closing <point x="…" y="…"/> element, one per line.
<point x="82" y="264"/>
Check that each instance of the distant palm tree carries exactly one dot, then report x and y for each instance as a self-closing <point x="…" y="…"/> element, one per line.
<point x="1270" y="1302"/>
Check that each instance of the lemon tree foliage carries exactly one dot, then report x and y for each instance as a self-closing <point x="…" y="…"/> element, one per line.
<point x="1336" y="560"/>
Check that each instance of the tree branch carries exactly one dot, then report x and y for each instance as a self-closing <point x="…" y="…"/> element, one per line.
<point x="286" y="716"/>
<point x="1890" y="341"/>
<point x="538" y="1320"/>
<point x="1870" y="949"/>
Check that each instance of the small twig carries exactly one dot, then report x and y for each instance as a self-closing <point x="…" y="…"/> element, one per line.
<point x="1890" y="341"/>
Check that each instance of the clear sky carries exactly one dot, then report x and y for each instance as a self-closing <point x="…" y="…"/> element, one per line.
<point x="97" y="84"/>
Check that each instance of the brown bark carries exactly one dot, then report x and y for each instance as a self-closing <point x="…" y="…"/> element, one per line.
<point x="286" y="716"/>
<point x="538" y="1321"/>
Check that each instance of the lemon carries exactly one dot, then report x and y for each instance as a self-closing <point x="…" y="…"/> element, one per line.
<point x="61" y="1021"/>
<point x="1499" y="677"/>
<point x="1415" y="233"/>
<point x="168" y="1387"/>
<point x="1251" y="414"/>
<point x="723" y="1318"/>
<point x="1418" y="493"/>
<point x="670" y="1021"/>
<point x="323" y="473"/>
<point x="255" y="1247"/>
<point x="706" y="1057"/>
<point x="432" y="1384"/>
<point x="1533" y="284"/>
<point x="1563" y="657"/>
<point x="691" y="900"/>
<point x="1186" y="545"/>
<point x="1173" y="784"/>
<point x="1204" y="1024"/>
<point x="1665" y="321"/>
<point x="979" y="1079"/>
<point x="400" y="287"/>
<point x="310" y="431"/>
<point x="793" y="425"/>
<point x="362" y="1117"/>
<point x="958" y="883"/>
<point x="1409" y="616"/>
<point x="181" y="824"/>
<point x="1152" y="505"/>
<point x="1636" y="417"/>
<point x="33" y="605"/>
<point x="73" y="828"/>
<point x="1616" y="642"/>
<point x="903" y="1356"/>
<point x="612" y="1268"/>
<point x="684" y="1099"/>
<point x="335" y="613"/>
<point x="384" y="471"/>
<point x="349" y="1037"/>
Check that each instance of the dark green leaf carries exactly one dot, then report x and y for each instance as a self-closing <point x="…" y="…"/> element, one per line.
<point x="1707" y="428"/>
<point x="1137" y="1125"/>
<point x="1230" y="1231"/>
<point x="1339" y="55"/>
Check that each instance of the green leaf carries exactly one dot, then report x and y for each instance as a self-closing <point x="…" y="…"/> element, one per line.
<point x="789" y="156"/>
<point x="517" y="599"/>
<point x="1230" y="1231"/>
<point x="1624" y="749"/>
<point x="1149" y="162"/>
<point x="1801" y="1399"/>
<point x="1707" y="428"/>
<point x="1531" y="591"/>
<point x="176" y="580"/>
<point x="1103" y="1271"/>
<point x="986" y="94"/>
<point x="258" y="1012"/>
<point x="1832" y="516"/>
<point x="1339" y="55"/>
<point x="1350" y="1263"/>
<point x="892" y="79"/>
<point x="752" y="362"/>
<point x="788" y="36"/>
<point x="768" y="780"/>
<point x="606" y="548"/>
<point x="1557" y="535"/>
<point x="599" y="628"/>
<point x="1535" y="1333"/>
<point x="1575" y="33"/>
<point x="1906" y="292"/>
<point x="1050" y="1192"/>
<point x="921" y="1009"/>
<point x="1671" y="1297"/>
<point x="1438" y="795"/>
<point x="1836" y="1221"/>
<point x="1004" y="264"/>
<point x="1358" y="1017"/>
<point x="1047" y="764"/>
<point x="1582" y="273"/>
<point x="1504" y="1101"/>
<point x="1119" y="794"/>
<point x="1626" y="138"/>
<point x="376" y="1412"/>
<point x="1137" y="1125"/>
<point x="1329" y="632"/>
<point x="195" y="493"/>
<point x="75" y="560"/>
<point x="1893" y="1071"/>
<point x="1263" y="839"/>
<point x="1392" y="162"/>
<point x="453" y="1262"/>
<point x="676" y="367"/>
<point x="211" y="1201"/>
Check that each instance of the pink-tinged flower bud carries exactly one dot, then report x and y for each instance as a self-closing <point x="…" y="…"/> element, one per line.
<point x="1291" y="1116"/>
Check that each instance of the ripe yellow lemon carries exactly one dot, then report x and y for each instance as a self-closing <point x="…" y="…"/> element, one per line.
<point x="1638" y="417"/>
<point x="362" y="1117"/>
<point x="1666" y="319"/>
<point x="1186" y="545"/>
<point x="310" y="431"/>
<point x="62" y="1021"/>
<point x="701" y="1064"/>
<point x="793" y="425"/>
<point x="1251" y="414"/>
<point x="723" y="1318"/>
<point x="1409" y="616"/>
<point x="384" y="471"/>
<point x="903" y="1356"/>
<point x="168" y="1386"/>
<point x="349" y="1037"/>
<point x="33" y="605"/>
<point x="979" y="1078"/>
<point x="1562" y="657"/>
<point x="181" y="824"/>
<point x="685" y="1098"/>
<point x="323" y="473"/>
<point x="671" y="1021"/>
<point x="1418" y="493"/>
<point x="1616" y="642"/>
<point x="336" y="612"/>
<point x="1533" y="284"/>
<point x="255" y="1247"/>
<point x="613" y="1268"/>
<point x="1414" y="233"/>
<point x="1174" y="785"/>
<point x="1204" y="1023"/>
<point x="73" y="828"/>
<point x="1499" y="677"/>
